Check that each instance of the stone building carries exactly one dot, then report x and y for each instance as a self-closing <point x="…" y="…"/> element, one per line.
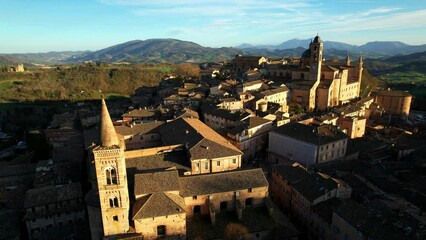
<point x="50" y="210"/>
<point x="315" y="83"/>
<point x="308" y="145"/>
<point x="245" y="63"/>
<point x="195" y="170"/>
<point x="138" y="136"/>
<point x="251" y="137"/>
<point x="394" y="102"/>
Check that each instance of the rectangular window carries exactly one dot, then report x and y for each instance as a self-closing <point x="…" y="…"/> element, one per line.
<point x="115" y="218"/>
<point x="250" y="190"/>
<point x="206" y="165"/>
<point x="234" y="161"/>
<point x="197" y="167"/>
<point x="218" y="163"/>
<point x="194" y="197"/>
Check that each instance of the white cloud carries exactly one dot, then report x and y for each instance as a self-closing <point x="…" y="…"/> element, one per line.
<point x="270" y="18"/>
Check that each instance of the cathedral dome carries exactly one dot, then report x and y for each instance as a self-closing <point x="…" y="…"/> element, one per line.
<point x="317" y="39"/>
<point x="306" y="53"/>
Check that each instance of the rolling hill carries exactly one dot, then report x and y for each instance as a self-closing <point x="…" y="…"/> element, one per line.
<point x="178" y="51"/>
<point x="159" y="51"/>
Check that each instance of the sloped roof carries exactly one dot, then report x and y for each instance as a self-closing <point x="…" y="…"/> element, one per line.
<point x="141" y="113"/>
<point x="198" y="139"/>
<point x="314" y="186"/>
<point x="291" y="173"/>
<point x="148" y="183"/>
<point x="222" y="182"/>
<point x="158" y="204"/>
<point x="52" y="194"/>
<point x="316" y="135"/>
<point x="138" y="129"/>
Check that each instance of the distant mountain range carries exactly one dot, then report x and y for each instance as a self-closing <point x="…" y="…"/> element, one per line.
<point x="177" y="51"/>
<point x="374" y="49"/>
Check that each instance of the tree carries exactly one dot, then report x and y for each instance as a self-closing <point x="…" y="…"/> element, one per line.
<point x="236" y="231"/>
<point x="187" y="70"/>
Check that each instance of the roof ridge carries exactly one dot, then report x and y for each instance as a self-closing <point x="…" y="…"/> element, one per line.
<point x="168" y="196"/>
<point x="218" y="173"/>
<point x="143" y="205"/>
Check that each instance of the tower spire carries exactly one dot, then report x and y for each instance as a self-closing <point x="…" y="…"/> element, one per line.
<point x="348" y="60"/>
<point x="108" y="135"/>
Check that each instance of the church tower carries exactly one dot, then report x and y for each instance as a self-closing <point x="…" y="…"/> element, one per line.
<point x="316" y="58"/>
<point x="111" y="178"/>
<point x="348" y="60"/>
<point x="359" y="69"/>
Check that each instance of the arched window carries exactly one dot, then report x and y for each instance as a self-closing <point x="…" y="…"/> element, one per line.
<point x="111" y="176"/>
<point x="113" y="202"/>
<point x="108" y="176"/>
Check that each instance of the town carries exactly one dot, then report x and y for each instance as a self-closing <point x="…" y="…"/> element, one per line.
<point x="255" y="148"/>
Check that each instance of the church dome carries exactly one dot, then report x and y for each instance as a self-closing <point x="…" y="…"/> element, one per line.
<point x="317" y="39"/>
<point x="306" y="53"/>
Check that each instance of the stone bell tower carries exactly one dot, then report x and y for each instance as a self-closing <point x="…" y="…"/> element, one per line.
<point x="316" y="58"/>
<point x="359" y="69"/>
<point x="111" y="178"/>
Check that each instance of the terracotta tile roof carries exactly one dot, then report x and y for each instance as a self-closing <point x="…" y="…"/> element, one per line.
<point x="141" y="113"/>
<point x="207" y="148"/>
<point x="138" y="129"/>
<point x="158" y="204"/>
<point x="207" y="108"/>
<point x="222" y="182"/>
<point x="156" y="182"/>
<point x="198" y="139"/>
<point x="273" y="91"/>
<point x="159" y="162"/>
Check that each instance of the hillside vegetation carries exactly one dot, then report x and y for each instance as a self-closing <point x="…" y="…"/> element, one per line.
<point x="79" y="82"/>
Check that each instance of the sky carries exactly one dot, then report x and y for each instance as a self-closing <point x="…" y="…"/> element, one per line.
<point x="70" y="25"/>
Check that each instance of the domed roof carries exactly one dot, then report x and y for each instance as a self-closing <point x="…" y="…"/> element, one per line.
<point x="317" y="39"/>
<point x="306" y="53"/>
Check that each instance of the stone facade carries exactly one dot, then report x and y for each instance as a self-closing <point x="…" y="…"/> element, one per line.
<point x="394" y="102"/>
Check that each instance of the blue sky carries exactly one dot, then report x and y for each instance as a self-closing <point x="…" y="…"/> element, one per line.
<point x="56" y="25"/>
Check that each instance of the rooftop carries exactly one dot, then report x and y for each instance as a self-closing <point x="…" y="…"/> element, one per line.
<point x="52" y="194"/>
<point x="316" y="135"/>
<point x="222" y="182"/>
<point x="138" y="129"/>
<point x="158" y="204"/>
<point x="292" y="173"/>
<point x="156" y="182"/>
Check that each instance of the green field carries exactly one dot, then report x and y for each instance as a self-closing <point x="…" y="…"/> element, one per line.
<point x="4" y="85"/>
<point x="404" y="77"/>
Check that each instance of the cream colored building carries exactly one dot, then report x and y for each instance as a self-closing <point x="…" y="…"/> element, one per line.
<point x="251" y="137"/>
<point x="306" y="144"/>
<point x="394" y="102"/>
<point x="164" y="184"/>
<point x="317" y="84"/>
<point x="354" y="126"/>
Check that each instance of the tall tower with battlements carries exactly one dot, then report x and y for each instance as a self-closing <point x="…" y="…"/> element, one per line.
<point x="111" y="178"/>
